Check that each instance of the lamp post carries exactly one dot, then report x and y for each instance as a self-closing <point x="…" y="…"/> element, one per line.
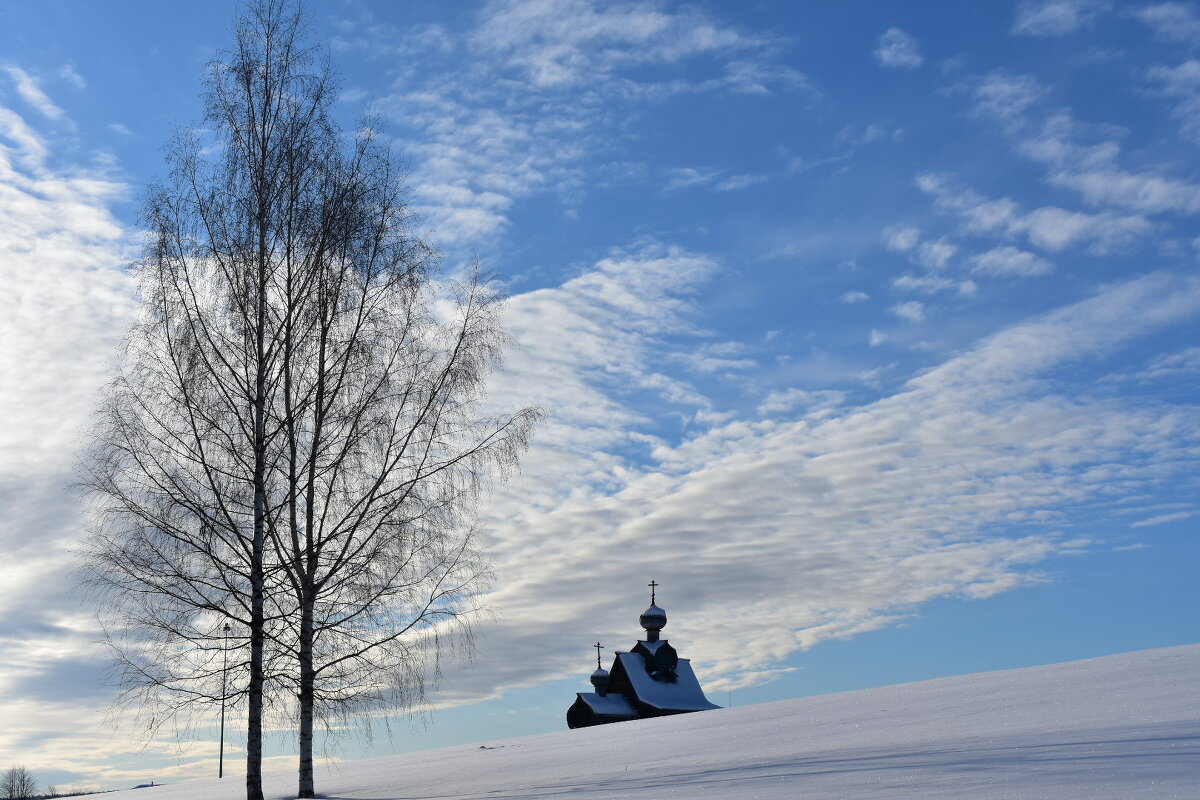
<point x="224" y="686"/>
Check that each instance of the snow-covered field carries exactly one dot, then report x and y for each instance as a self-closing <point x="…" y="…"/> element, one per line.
<point x="1124" y="726"/>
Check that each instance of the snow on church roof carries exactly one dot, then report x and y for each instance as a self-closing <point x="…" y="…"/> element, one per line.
<point x="684" y="694"/>
<point x="609" y="705"/>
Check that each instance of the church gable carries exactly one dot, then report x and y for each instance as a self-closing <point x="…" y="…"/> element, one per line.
<point x="660" y="659"/>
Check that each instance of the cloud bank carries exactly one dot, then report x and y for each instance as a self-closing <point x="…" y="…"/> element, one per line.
<point x="840" y="518"/>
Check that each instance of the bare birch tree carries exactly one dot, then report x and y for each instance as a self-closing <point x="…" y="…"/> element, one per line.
<point x="387" y="447"/>
<point x="296" y="440"/>
<point x="18" y="783"/>
<point x="182" y="467"/>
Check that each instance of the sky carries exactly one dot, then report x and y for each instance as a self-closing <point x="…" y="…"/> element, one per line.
<point x="870" y="334"/>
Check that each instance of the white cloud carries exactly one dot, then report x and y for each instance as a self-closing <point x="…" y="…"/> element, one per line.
<point x="855" y="296"/>
<point x="778" y="402"/>
<point x="932" y="255"/>
<point x="877" y="338"/>
<point x="67" y="73"/>
<point x="1163" y="519"/>
<point x="901" y="238"/>
<point x="1084" y="158"/>
<point x="473" y="162"/>
<point x="65" y="301"/>
<point x="584" y="343"/>
<point x="459" y="213"/>
<point x="688" y="177"/>
<point x="1055" y="229"/>
<point x="63" y="254"/>
<point x="912" y="311"/>
<point x="735" y="182"/>
<point x="1055" y="17"/>
<point x="1004" y="96"/>
<point x="1049" y="227"/>
<point x="711" y="358"/>
<point x="568" y="42"/>
<point x="1008" y="260"/>
<point x="846" y="144"/>
<point x="29" y="91"/>
<point x="457" y="225"/>
<point x="1032" y="347"/>
<point x="501" y="112"/>
<point x="856" y="137"/>
<point x="754" y="77"/>
<point x="898" y="50"/>
<point x="930" y="284"/>
<point x="954" y="486"/>
<point x="935" y="255"/>
<point x="1139" y="192"/>
<point x="1186" y="361"/>
<point x="1172" y="21"/>
<point x="22" y="146"/>
<point x="1182" y="82"/>
<point x="1059" y="144"/>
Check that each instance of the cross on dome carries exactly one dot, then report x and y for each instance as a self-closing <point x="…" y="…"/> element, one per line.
<point x="653" y="619"/>
<point x="597" y="646"/>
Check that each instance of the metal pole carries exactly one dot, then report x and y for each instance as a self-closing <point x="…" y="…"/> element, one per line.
<point x="224" y="685"/>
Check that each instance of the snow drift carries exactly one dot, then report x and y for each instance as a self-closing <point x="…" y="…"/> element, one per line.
<point x="1121" y="726"/>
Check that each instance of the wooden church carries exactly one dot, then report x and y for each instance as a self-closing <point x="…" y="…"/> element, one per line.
<point x="651" y="680"/>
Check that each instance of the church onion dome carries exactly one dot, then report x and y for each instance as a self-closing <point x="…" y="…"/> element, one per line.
<point x="654" y="618"/>
<point x="600" y="677"/>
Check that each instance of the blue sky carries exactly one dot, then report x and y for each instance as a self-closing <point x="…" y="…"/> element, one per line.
<point x="871" y="334"/>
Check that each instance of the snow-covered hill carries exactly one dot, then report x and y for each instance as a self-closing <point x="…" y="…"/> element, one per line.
<point x="1124" y="726"/>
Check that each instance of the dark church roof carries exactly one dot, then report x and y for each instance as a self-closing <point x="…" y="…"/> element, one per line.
<point x="648" y="681"/>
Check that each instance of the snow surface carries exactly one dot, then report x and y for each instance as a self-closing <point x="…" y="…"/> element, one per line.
<point x="1125" y="726"/>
